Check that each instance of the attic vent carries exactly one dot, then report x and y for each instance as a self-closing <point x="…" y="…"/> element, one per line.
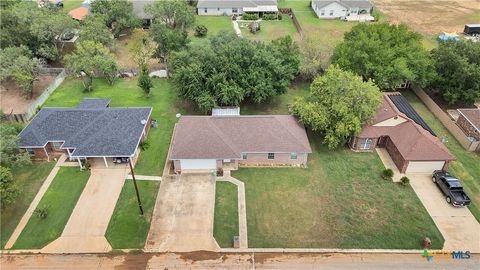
<point x="143" y="122"/>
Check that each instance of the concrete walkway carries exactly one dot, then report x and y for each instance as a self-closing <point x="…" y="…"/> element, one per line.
<point x="145" y="177"/>
<point x="183" y="216"/>
<point x="89" y="220"/>
<point x="458" y="226"/>
<point x="23" y="222"/>
<point x="242" y="208"/>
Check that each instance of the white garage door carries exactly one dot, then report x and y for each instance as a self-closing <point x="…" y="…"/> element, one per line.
<point x="198" y="164"/>
<point x="424" y="166"/>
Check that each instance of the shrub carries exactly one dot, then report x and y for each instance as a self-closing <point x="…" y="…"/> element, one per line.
<point x="250" y="17"/>
<point x="269" y="17"/>
<point x="41" y="213"/>
<point x="201" y="30"/>
<point x="279" y="16"/>
<point x="405" y="180"/>
<point x="144" y="145"/>
<point x="387" y="174"/>
<point x="86" y="164"/>
<point x="8" y="190"/>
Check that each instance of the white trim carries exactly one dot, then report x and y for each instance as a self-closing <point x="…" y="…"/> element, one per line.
<point x="46" y="153"/>
<point x="105" y="160"/>
<point x="79" y="162"/>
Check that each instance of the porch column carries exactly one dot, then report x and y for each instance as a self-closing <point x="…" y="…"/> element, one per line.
<point x="79" y="163"/>
<point x="48" y="157"/>
<point x="69" y="154"/>
<point x="105" y="160"/>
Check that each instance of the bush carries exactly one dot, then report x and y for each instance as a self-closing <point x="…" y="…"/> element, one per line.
<point x="269" y="17"/>
<point x="249" y="17"/>
<point x="41" y="213"/>
<point x="86" y="164"/>
<point x="144" y="145"/>
<point x="279" y="16"/>
<point x="201" y="30"/>
<point x="405" y="180"/>
<point x="387" y="174"/>
<point x="8" y="190"/>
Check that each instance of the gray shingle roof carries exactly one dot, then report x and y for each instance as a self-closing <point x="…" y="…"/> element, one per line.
<point x="89" y="131"/>
<point x="234" y="3"/>
<point x="91" y="103"/>
<point x="226" y="137"/>
<point x="347" y="3"/>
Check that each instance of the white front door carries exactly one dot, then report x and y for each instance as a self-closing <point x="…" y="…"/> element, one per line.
<point x="198" y="164"/>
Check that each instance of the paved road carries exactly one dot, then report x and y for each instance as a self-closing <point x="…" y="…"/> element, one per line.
<point x="210" y="260"/>
<point x="183" y="215"/>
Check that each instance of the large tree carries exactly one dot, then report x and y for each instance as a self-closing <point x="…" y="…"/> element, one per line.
<point x="24" y="23"/>
<point x="143" y="48"/>
<point x="168" y="40"/>
<point x="94" y="28"/>
<point x="92" y="58"/>
<point x="19" y="64"/>
<point x="458" y="67"/>
<point x="175" y="14"/>
<point x="387" y="54"/>
<point x="338" y="104"/>
<point x="314" y="57"/>
<point x="119" y="14"/>
<point x="229" y="69"/>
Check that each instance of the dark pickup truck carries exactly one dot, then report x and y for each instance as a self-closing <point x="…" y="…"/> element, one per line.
<point x="451" y="188"/>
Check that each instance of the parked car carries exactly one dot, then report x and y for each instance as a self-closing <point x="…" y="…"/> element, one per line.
<point x="451" y="188"/>
<point x="472" y="29"/>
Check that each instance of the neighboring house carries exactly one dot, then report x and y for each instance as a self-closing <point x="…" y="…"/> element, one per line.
<point x="228" y="141"/>
<point x="353" y="10"/>
<point x="90" y="130"/>
<point x="469" y="121"/>
<point x="79" y="13"/>
<point x="139" y="11"/>
<point x="238" y="7"/>
<point x="412" y="145"/>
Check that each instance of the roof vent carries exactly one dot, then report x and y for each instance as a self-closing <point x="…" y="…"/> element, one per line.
<point x="143" y="122"/>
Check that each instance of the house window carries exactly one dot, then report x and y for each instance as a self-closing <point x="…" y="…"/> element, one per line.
<point x="57" y="145"/>
<point x="234" y="10"/>
<point x="244" y="156"/>
<point x="271" y="156"/>
<point x="365" y="144"/>
<point x="206" y="10"/>
<point x="30" y="151"/>
<point x="331" y="12"/>
<point x="293" y="155"/>
<point x="218" y="9"/>
<point x="322" y="12"/>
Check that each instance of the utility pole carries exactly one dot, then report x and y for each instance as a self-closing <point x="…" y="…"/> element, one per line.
<point x="135" y="184"/>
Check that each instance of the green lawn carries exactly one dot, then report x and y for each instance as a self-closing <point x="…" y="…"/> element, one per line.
<point x="59" y="200"/>
<point x="68" y="5"/>
<point x="214" y="24"/>
<point x="28" y="179"/>
<point x="127" y="228"/>
<point x="339" y="201"/>
<point x="226" y="214"/>
<point x="271" y="30"/>
<point x="467" y="164"/>
<point x="125" y="92"/>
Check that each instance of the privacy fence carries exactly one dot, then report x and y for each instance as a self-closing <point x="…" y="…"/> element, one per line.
<point x="289" y="12"/>
<point x="447" y="121"/>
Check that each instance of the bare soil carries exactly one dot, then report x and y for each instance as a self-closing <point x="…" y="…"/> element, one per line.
<point x="431" y="16"/>
<point x="12" y="99"/>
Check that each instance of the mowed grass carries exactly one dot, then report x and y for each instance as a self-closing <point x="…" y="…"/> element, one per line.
<point x="214" y="24"/>
<point x="28" y="179"/>
<point x="127" y="228"/>
<point x="68" y="5"/>
<point x="226" y="224"/>
<point x="467" y="164"/>
<point x="126" y="93"/>
<point x="271" y="30"/>
<point x="59" y="200"/>
<point x="339" y="201"/>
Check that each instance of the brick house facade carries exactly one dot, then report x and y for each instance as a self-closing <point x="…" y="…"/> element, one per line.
<point x="467" y="121"/>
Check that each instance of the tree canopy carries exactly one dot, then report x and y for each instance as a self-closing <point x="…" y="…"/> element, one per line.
<point x="458" y="68"/>
<point x="118" y="14"/>
<point x="175" y="14"/>
<point x="387" y="54"/>
<point x="143" y="48"/>
<point x="92" y="58"/>
<point x="229" y="69"/>
<point x="94" y="28"/>
<point x="19" y="64"/>
<point x="314" y="57"/>
<point x="24" y="23"/>
<point x="339" y="103"/>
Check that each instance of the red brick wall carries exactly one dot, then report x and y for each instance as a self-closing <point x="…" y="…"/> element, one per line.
<point x="396" y="156"/>
<point x="280" y="159"/>
<point x="355" y="144"/>
<point x="39" y="153"/>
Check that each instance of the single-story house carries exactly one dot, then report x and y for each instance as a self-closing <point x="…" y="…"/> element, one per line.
<point x="228" y="141"/>
<point x="93" y="129"/>
<point x="352" y="10"/>
<point x="79" y="13"/>
<point x="238" y="7"/>
<point x="469" y="121"/>
<point x="411" y="143"/>
<point x="139" y="10"/>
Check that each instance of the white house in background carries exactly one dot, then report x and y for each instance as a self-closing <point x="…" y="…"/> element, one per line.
<point x="238" y="7"/>
<point x="350" y="10"/>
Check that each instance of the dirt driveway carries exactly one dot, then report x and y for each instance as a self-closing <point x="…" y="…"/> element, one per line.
<point x="457" y="225"/>
<point x="89" y="220"/>
<point x="183" y="215"/>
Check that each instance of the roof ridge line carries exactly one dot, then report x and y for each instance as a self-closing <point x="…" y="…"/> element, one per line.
<point x="290" y="132"/>
<point x="222" y="137"/>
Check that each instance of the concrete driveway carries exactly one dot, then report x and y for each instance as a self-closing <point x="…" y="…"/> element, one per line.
<point x="457" y="225"/>
<point x="89" y="220"/>
<point x="183" y="215"/>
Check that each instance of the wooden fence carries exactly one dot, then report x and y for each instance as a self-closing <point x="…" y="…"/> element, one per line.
<point x="447" y="121"/>
<point x="289" y="12"/>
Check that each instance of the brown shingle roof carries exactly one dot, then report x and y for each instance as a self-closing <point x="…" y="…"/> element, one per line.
<point x="227" y="137"/>
<point x="412" y="141"/>
<point x="472" y="115"/>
